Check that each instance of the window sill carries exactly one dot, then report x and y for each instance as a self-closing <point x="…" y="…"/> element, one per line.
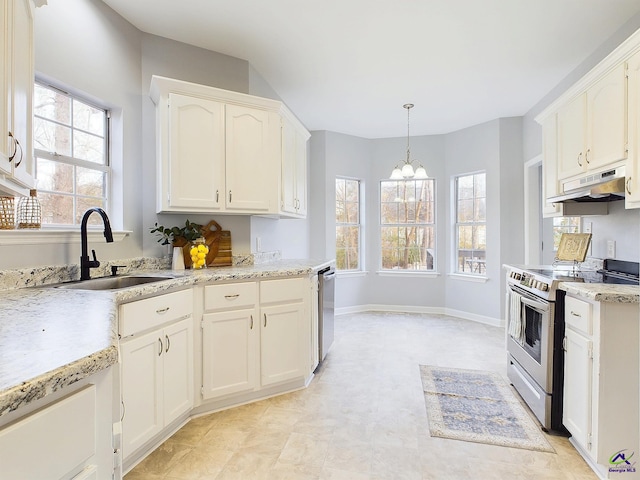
<point x="469" y="278"/>
<point x="407" y="273"/>
<point x="351" y="273"/>
<point x="48" y="236"/>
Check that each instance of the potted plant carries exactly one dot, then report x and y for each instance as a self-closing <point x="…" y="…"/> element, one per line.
<point x="180" y="237"/>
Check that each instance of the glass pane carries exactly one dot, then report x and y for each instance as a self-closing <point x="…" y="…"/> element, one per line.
<point x="51" y="104"/>
<point x="465" y="237"/>
<point x="56" y="209"/>
<point x="352" y="193"/>
<point x="352" y="259"/>
<point x="51" y="137"/>
<point x="409" y="212"/>
<point x="480" y="210"/>
<point x="389" y="213"/>
<point x="465" y="211"/>
<point x="352" y="212"/>
<point x="90" y="182"/>
<point x="389" y="238"/>
<point x="88" y="147"/>
<point x="341" y="212"/>
<point x="388" y="191"/>
<point x="480" y="237"/>
<point x="340" y="237"/>
<point x="465" y="187"/>
<point x="340" y="189"/>
<point x="480" y="186"/>
<point x="88" y="118"/>
<point x="83" y="204"/>
<point x="54" y="176"/>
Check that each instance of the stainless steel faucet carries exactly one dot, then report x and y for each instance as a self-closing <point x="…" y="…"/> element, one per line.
<point x="85" y="264"/>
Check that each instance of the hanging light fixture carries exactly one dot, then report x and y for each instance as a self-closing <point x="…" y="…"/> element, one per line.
<point x="406" y="171"/>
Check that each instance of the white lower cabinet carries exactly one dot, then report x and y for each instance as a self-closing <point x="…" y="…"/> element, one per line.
<point x="601" y="382"/>
<point x="69" y="438"/>
<point x="253" y="335"/>
<point x="157" y="366"/>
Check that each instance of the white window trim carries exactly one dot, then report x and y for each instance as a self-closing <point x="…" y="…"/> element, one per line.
<point x="468" y="277"/>
<point x="62" y="236"/>
<point x="408" y="273"/>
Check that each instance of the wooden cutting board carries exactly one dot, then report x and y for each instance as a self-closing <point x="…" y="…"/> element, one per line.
<point x="219" y="243"/>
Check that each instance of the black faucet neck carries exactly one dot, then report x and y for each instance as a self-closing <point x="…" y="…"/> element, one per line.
<point x="85" y="264"/>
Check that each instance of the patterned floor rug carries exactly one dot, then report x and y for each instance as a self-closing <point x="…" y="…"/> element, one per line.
<point x="477" y="406"/>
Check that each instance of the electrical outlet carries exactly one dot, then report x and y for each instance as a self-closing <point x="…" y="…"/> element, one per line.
<point x="611" y="249"/>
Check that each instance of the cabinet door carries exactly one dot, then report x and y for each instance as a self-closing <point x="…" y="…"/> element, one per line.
<point x="196" y="153"/>
<point x="578" y="368"/>
<point x="251" y="171"/>
<point x="229" y="343"/>
<point x="632" y="198"/>
<point x="6" y="144"/>
<point x="280" y="343"/>
<point x="141" y="389"/>
<point x="550" y="166"/>
<point x="22" y="78"/>
<point x="571" y="138"/>
<point x="607" y="120"/>
<point x="289" y="172"/>
<point x="177" y="364"/>
<point x="301" y="173"/>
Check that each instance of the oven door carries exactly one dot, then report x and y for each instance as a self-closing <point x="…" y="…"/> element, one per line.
<point x="535" y="353"/>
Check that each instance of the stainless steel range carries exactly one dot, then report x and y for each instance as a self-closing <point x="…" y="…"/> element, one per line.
<point x="535" y="330"/>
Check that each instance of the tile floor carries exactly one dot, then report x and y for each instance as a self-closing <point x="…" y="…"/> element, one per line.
<point x="362" y="418"/>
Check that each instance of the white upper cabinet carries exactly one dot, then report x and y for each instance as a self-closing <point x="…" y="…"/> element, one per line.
<point x="16" y="84"/>
<point x="220" y="151"/>
<point x="592" y="127"/>
<point x="196" y="153"/>
<point x="549" y="167"/>
<point x="632" y="198"/>
<point x="293" y="198"/>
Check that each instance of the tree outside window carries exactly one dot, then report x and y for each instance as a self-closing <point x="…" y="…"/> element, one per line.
<point x="348" y="226"/>
<point x="407" y="224"/>
<point x="471" y="226"/>
<point x="71" y="152"/>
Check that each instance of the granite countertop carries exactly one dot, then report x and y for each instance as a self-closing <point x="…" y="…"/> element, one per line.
<point x="603" y="292"/>
<point x="51" y="337"/>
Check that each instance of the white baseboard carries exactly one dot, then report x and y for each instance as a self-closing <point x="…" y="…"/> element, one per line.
<point x="495" y="322"/>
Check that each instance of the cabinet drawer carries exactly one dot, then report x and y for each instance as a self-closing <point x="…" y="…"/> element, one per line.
<point x="230" y="296"/>
<point x="152" y="312"/>
<point x="283" y="290"/>
<point x="577" y="315"/>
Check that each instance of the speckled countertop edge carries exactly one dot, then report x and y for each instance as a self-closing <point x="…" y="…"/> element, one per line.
<point x="603" y="292"/>
<point x="31" y="318"/>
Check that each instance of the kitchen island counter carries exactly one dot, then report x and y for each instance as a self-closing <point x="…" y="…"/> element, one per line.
<point x="603" y="292"/>
<point x="51" y="338"/>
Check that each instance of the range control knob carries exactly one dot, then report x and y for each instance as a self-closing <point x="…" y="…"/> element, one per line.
<point x="544" y="287"/>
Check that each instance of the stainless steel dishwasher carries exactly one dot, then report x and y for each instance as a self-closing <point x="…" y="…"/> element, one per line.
<point x="326" y="299"/>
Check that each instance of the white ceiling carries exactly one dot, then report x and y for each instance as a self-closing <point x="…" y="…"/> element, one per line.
<point x="349" y="65"/>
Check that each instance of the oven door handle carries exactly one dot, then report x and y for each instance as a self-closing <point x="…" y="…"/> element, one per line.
<point x="543" y="307"/>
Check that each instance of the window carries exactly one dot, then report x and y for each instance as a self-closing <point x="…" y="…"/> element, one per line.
<point x="564" y="225"/>
<point x="71" y="151"/>
<point x="407" y="224"/>
<point x="471" y="223"/>
<point x="348" y="227"/>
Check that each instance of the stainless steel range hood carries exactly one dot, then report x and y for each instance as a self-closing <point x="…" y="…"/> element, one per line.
<point x="594" y="187"/>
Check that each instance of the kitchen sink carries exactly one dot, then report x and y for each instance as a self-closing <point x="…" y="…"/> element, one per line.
<point x="110" y="283"/>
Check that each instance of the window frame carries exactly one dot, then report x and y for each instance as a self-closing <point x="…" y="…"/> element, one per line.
<point x="432" y="225"/>
<point x="359" y="224"/>
<point x="105" y="167"/>
<point x="480" y="265"/>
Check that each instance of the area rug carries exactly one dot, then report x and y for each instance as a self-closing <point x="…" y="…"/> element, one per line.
<point x="477" y="406"/>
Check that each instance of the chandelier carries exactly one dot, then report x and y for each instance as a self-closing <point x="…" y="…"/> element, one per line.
<point x="406" y="171"/>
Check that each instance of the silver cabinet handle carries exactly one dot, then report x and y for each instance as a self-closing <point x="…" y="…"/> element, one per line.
<point x="166" y="350"/>
<point x="265" y="319"/>
<point x="229" y="196"/>
<point x="217" y="195"/>
<point x="251" y="326"/>
<point x="231" y="297"/>
<point x="162" y="310"/>
<point x="16" y="146"/>
<point x="628" y="184"/>
<point x="579" y="157"/>
<point x="575" y="314"/>
<point x="586" y="157"/>
<point x="161" y="347"/>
